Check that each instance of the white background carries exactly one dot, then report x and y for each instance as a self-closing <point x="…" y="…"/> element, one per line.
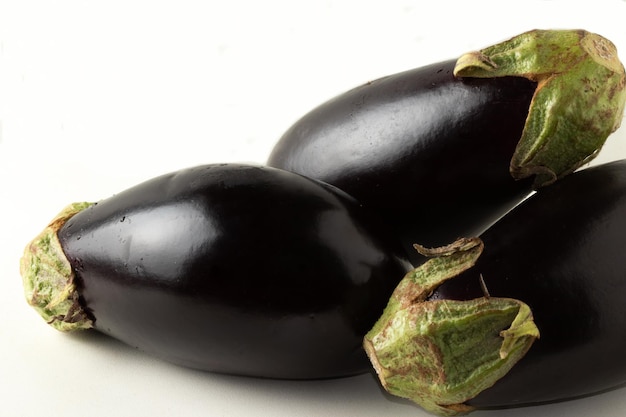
<point x="96" y="96"/>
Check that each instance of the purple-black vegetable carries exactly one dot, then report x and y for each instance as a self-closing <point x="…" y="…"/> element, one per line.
<point x="532" y="312"/>
<point x="230" y="268"/>
<point x="444" y="150"/>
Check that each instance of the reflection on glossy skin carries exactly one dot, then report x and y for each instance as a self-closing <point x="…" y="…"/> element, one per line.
<point x="236" y="269"/>
<point x="428" y="151"/>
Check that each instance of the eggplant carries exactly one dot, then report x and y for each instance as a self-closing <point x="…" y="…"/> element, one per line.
<point x="444" y="150"/>
<point x="531" y="312"/>
<point x="230" y="268"/>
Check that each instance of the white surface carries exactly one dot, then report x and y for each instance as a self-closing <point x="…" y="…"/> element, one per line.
<point x="97" y="96"/>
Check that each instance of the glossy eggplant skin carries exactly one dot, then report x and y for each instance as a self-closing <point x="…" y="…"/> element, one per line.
<point x="428" y="151"/>
<point x="561" y="252"/>
<point x="236" y="269"/>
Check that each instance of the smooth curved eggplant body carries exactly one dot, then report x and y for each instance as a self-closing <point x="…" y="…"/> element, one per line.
<point x="531" y="312"/>
<point x="562" y="253"/>
<point x="235" y="269"/>
<point x="427" y="150"/>
<point x="443" y="151"/>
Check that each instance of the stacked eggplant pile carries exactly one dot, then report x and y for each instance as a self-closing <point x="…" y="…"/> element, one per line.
<point x="431" y="225"/>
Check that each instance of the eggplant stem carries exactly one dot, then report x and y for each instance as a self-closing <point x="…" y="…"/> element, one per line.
<point x="48" y="277"/>
<point x="442" y="353"/>
<point x="579" y="100"/>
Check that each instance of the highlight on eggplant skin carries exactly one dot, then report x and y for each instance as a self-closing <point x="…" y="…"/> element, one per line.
<point x="428" y="151"/>
<point x="444" y="150"/>
<point x="230" y="268"/>
<point x="561" y="252"/>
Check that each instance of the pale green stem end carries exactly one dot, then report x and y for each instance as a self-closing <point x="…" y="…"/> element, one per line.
<point x="578" y="103"/>
<point x="442" y="353"/>
<point x="48" y="277"/>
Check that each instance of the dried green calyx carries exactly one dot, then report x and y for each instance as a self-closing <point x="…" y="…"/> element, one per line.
<point x="578" y="103"/>
<point x="48" y="277"/>
<point x="442" y="353"/>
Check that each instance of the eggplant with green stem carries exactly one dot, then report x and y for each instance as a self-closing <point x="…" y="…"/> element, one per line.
<point x="229" y="268"/>
<point x="444" y="150"/>
<point x="531" y="312"/>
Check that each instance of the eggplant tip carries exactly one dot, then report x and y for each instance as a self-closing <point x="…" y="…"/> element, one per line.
<point x="442" y="353"/>
<point x="48" y="277"/>
<point x="578" y="103"/>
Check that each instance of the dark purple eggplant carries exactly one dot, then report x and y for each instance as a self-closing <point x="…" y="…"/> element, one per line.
<point x="230" y="268"/>
<point x="557" y="263"/>
<point x="444" y="150"/>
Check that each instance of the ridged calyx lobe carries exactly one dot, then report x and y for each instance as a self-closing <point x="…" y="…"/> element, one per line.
<point x="441" y="353"/>
<point x="578" y="103"/>
<point x="48" y="277"/>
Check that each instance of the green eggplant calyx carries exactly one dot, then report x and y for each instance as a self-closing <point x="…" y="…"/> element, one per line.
<point x="48" y="277"/>
<point x="579" y="100"/>
<point x="442" y="353"/>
